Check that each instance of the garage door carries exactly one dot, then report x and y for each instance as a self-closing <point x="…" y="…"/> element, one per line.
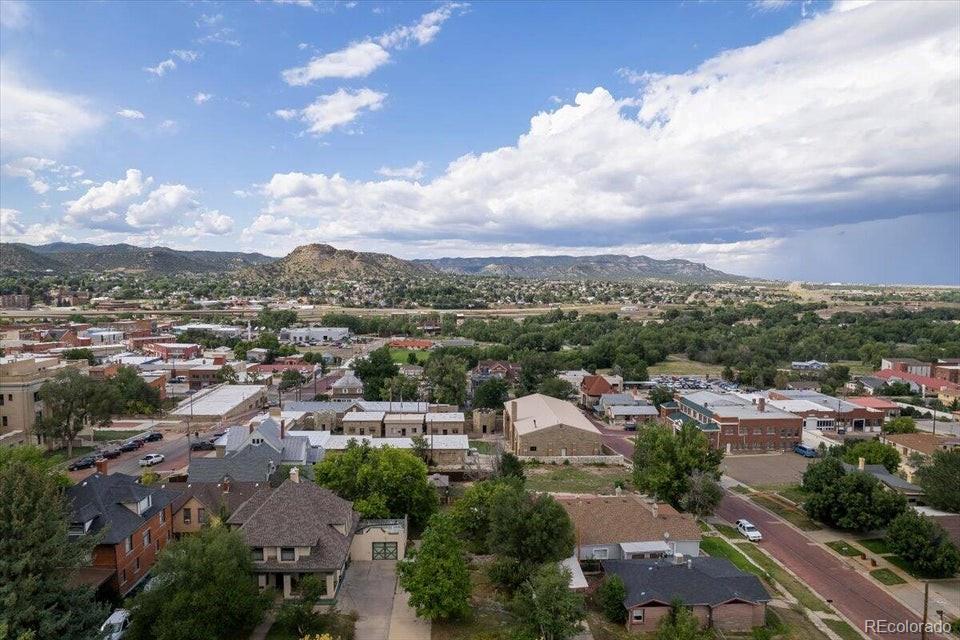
<point x="384" y="550"/>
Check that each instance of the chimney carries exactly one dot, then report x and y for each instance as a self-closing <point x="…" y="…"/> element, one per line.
<point x="762" y="404"/>
<point x="250" y="427"/>
<point x="102" y="465"/>
<point x="689" y="563"/>
<point x="655" y="509"/>
<point x="678" y="558"/>
<point x="513" y="411"/>
<point x="861" y="463"/>
<point x="226" y="485"/>
<point x="295" y="474"/>
<point x="283" y="428"/>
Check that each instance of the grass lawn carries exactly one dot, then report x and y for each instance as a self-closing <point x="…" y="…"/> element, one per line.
<point x="338" y="625"/>
<point x="60" y="455"/>
<point x="484" y="447"/>
<point x="897" y="561"/>
<point x="719" y="548"/>
<point x="603" y="629"/>
<point x="739" y="488"/>
<point x="857" y="368"/>
<point x="791" y="514"/>
<point x="797" y="589"/>
<point x="680" y="365"/>
<point x="793" y="493"/>
<point x="571" y="479"/>
<point x="728" y="531"/>
<point x="842" y="629"/>
<point x="887" y="577"/>
<point x="794" y="625"/>
<point x="706" y="528"/>
<point x="488" y="620"/>
<point x="844" y="548"/>
<point x="877" y="545"/>
<point x="105" y="435"/>
<point x="400" y="355"/>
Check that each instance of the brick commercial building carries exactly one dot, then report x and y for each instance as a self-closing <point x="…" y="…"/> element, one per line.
<point x="135" y="522"/>
<point x="846" y="415"/>
<point x="734" y="424"/>
<point x="173" y="350"/>
<point x="539" y="425"/>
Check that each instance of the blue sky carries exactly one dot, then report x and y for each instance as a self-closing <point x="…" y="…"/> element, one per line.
<point x="808" y="140"/>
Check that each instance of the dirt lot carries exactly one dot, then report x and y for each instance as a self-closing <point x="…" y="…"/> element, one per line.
<point x="766" y="470"/>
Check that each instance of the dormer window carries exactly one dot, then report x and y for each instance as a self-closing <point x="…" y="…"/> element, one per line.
<point x="144" y="504"/>
<point x="256" y="441"/>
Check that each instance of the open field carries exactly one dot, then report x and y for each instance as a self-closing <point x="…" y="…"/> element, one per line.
<point x="401" y="356"/>
<point x="768" y="471"/>
<point x="679" y="365"/>
<point x="106" y="435"/>
<point x="576" y="479"/>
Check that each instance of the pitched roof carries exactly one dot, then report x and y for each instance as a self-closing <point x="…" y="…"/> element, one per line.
<point x="537" y="411"/>
<point x="300" y="514"/>
<point x="250" y="464"/>
<point x="595" y="385"/>
<point x="873" y="402"/>
<point x="926" y="443"/>
<point x="214" y="495"/>
<point x="626" y="518"/>
<point x="880" y="472"/>
<point x="347" y="381"/>
<point x="696" y="581"/>
<point x="103" y="499"/>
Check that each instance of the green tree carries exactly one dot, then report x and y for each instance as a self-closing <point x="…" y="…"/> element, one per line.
<point x="490" y="394"/>
<point x="374" y="370"/>
<point x="781" y="380"/>
<point x="204" y="589"/>
<point x="276" y="319"/>
<point x="412" y="357"/>
<point x="703" y="495"/>
<point x="556" y="388"/>
<point x="902" y="424"/>
<point x="680" y="624"/>
<point x="448" y="380"/>
<point x="227" y="375"/>
<point x="73" y="402"/>
<point x="529" y="530"/>
<point x="435" y="574"/>
<point x="129" y="393"/>
<point x="400" y="387"/>
<point x="924" y="544"/>
<point x="856" y="501"/>
<point x="664" y="461"/>
<point x="37" y="556"/>
<point x="611" y="595"/>
<point x="291" y="378"/>
<point x="873" y="452"/>
<point x="941" y="480"/>
<point x="471" y="513"/>
<point x="660" y="395"/>
<point x="421" y="448"/>
<point x="546" y="607"/>
<point x="508" y="466"/>
<point x="822" y="474"/>
<point x="80" y="354"/>
<point x="387" y="477"/>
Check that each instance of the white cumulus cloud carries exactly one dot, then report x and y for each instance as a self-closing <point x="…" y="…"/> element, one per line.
<point x="187" y="55"/>
<point x="162" y="68"/>
<point x="328" y="112"/>
<point x="200" y="97"/>
<point x="163" y="205"/>
<point x="130" y="114"/>
<point x="413" y="172"/>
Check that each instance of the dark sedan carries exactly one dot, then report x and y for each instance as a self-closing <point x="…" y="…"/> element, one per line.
<point x="131" y="445"/>
<point x="203" y="445"/>
<point x="153" y="436"/>
<point x="109" y="454"/>
<point x="82" y="463"/>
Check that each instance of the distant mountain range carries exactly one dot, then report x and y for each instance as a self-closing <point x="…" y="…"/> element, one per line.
<point x="599" y="267"/>
<point x="64" y="257"/>
<point x="314" y="261"/>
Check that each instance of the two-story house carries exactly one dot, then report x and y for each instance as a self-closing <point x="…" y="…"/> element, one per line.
<point x="134" y="521"/>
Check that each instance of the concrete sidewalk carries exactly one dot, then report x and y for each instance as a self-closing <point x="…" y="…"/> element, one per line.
<point x="404" y="623"/>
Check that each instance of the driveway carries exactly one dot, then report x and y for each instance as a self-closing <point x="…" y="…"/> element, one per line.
<point x="851" y="593"/>
<point x="368" y="590"/>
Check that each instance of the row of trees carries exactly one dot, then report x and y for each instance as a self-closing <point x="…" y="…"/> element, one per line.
<point x="74" y="401"/>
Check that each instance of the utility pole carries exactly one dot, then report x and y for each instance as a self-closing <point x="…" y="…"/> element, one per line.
<point x="926" y="597"/>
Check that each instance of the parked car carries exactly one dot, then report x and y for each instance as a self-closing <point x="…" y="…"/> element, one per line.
<point x="805" y="451"/>
<point x="83" y="463"/>
<point x="130" y="445"/>
<point x="203" y="445"/>
<point x="115" y="627"/>
<point x="153" y="436"/>
<point x="749" y="531"/>
<point x="151" y="459"/>
<point x="109" y="454"/>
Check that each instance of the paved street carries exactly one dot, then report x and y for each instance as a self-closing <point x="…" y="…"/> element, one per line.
<point x="852" y="594"/>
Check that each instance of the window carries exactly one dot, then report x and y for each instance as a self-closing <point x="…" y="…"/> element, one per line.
<point x="637" y="615"/>
<point x="533" y="448"/>
<point x="4" y="421"/>
<point x="36" y="396"/>
<point x="187" y="515"/>
<point x="600" y="554"/>
<point x="123" y="576"/>
<point x="146" y="538"/>
<point x="136" y="564"/>
<point x="202" y="515"/>
<point x="743" y="431"/>
<point x="257" y="554"/>
<point x="163" y="516"/>
<point x="287" y="554"/>
<point x="1" y="400"/>
<point x="128" y="544"/>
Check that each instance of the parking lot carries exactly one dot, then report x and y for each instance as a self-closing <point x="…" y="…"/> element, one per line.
<point x="766" y="469"/>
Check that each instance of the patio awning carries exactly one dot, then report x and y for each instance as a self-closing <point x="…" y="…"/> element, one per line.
<point x="657" y="546"/>
<point x="577" y="579"/>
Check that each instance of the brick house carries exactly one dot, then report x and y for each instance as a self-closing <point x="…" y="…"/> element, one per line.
<point x="539" y="425"/>
<point x="592" y="388"/>
<point x="134" y="520"/>
<point x="197" y="502"/>
<point x="718" y="594"/>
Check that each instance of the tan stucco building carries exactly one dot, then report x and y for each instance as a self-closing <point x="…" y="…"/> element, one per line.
<point x="448" y="423"/>
<point x="20" y="382"/>
<point x="363" y="423"/>
<point x="542" y="426"/>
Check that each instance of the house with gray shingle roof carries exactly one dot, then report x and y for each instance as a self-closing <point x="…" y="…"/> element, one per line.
<point x="301" y="529"/>
<point x="718" y="594"/>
